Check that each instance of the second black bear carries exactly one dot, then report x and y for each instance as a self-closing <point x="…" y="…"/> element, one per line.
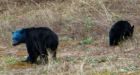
<point x="119" y="31"/>
<point x="38" y="41"/>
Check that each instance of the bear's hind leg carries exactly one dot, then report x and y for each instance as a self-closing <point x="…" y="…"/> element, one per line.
<point x="116" y="42"/>
<point x="43" y="56"/>
<point x="53" y="52"/>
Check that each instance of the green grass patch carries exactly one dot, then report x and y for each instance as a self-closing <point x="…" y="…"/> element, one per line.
<point x="87" y="40"/>
<point x="9" y="59"/>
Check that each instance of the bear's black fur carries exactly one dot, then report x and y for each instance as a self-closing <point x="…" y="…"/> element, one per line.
<point x="120" y="30"/>
<point x="37" y="40"/>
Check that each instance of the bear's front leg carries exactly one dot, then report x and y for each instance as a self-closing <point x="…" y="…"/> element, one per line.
<point x="31" y="59"/>
<point x="32" y="53"/>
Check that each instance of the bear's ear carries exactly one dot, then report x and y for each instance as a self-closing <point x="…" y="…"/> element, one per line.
<point x="132" y="27"/>
<point x="22" y="31"/>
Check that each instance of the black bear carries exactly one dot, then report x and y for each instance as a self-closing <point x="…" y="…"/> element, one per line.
<point x="120" y="30"/>
<point x="38" y="40"/>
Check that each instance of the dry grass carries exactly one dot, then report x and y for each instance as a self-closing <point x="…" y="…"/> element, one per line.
<point x="82" y="26"/>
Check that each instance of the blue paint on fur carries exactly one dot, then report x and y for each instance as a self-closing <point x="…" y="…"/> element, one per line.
<point x="17" y="37"/>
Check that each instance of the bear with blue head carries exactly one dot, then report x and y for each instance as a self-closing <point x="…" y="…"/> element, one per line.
<point x="120" y="30"/>
<point x="38" y="41"/>
<point x="18" y="37"/>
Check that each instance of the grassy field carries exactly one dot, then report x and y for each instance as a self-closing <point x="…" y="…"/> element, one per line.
<point x="82" y="26"/>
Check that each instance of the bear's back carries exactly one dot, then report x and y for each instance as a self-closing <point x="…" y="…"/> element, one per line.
<point x="121" y="25"/>
<point x="40" y="33"/>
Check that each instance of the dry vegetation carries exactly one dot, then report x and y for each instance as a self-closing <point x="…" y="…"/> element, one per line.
<point x="82" y="26"/>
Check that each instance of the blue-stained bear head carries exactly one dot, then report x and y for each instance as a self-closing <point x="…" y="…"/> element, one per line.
<point x="18" y="37"/>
